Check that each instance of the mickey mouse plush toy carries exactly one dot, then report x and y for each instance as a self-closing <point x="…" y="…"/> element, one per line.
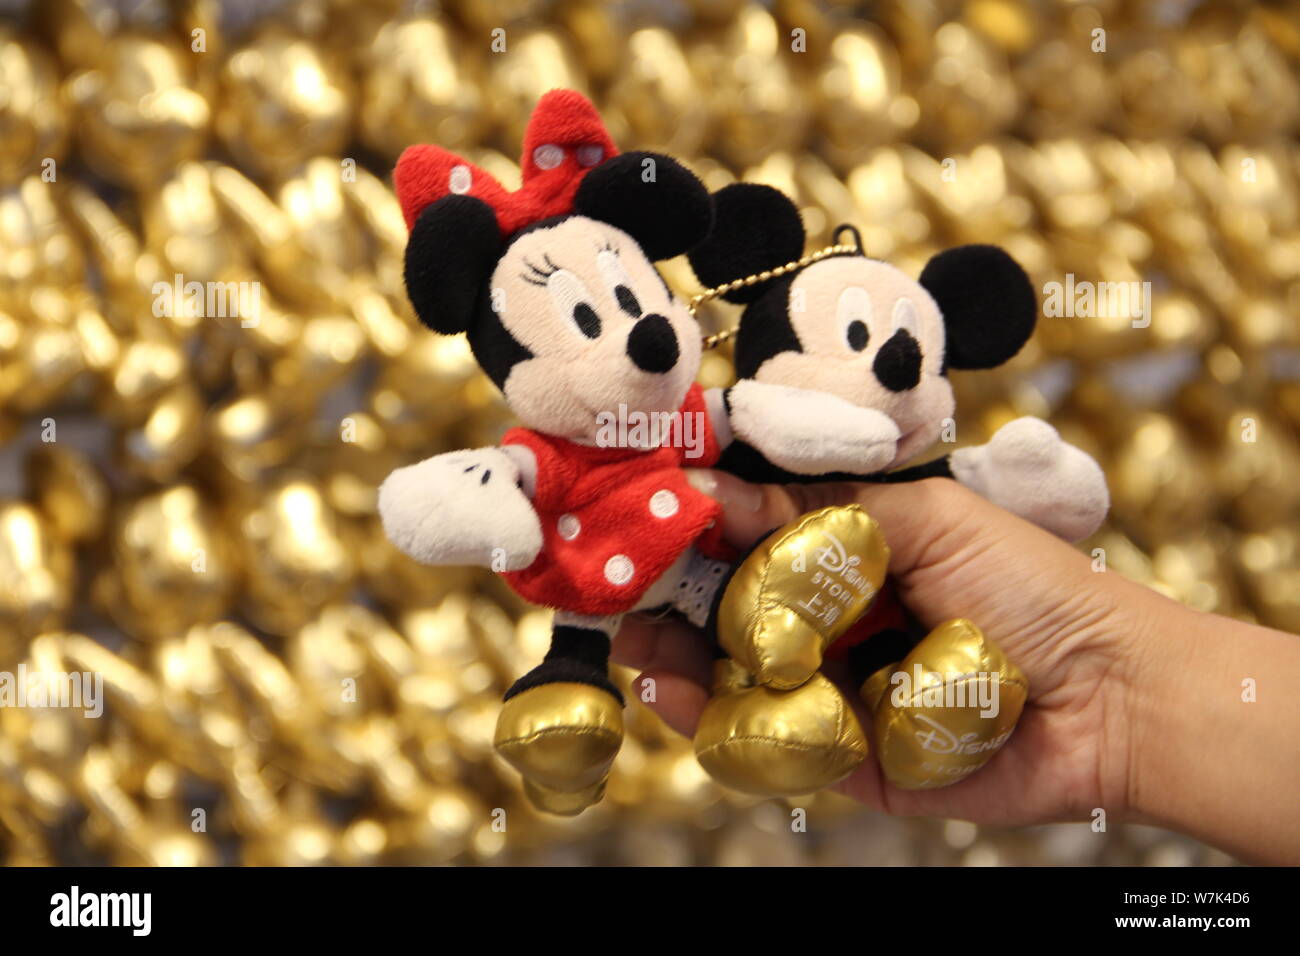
<point x="864" y="331"/>
<point x="566" y="313"/>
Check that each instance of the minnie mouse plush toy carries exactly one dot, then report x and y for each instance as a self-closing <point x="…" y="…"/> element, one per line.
<point x="565" y="312"/>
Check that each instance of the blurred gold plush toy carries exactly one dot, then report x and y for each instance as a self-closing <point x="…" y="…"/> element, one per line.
<point x="586" y="508"/>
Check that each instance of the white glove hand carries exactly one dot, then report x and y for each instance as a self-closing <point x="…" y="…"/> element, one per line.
<point x="1027" y="469"/>
<point x="811" y="433"/>
<point x="462" y="508"/>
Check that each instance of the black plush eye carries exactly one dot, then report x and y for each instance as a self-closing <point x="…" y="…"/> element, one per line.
<point x="588" y="322"/>
<point x="627" y="301"/>
<point x="856" y="333"/>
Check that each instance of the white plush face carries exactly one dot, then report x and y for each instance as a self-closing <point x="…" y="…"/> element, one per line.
<point x="874" y="337"/>
<point x="601" y="325"/>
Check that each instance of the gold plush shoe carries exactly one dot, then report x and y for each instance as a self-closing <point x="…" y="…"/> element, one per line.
<point x="562" y="738"/>
<point x="563" y="804"/>
<point x="800" y="591"/>
<point x="935" y="733"/>
<point x="777" y="742"/>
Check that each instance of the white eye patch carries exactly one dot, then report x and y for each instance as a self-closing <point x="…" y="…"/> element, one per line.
<point x="853" y="315"/>
<point x="618" y="282"/>
<point x="904" y="318"/>
<point x="573" y="303"/>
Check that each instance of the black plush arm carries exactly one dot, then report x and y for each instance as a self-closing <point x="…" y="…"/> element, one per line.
<point x="745" y="461"/>
<point x="939" y="468"/>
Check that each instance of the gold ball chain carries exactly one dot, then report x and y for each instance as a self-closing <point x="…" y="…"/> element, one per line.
<point x="839" y="249"/>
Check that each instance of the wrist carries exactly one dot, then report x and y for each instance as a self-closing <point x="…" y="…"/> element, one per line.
<point x="1157" y="680"/>
<point x="1208" y="743"/>
<point x="1127" y="665"/>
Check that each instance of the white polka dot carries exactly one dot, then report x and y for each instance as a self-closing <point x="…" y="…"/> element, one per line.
<point x="568" y="526"/>
<point x="548" y="156"/>
<point x="460" y="180"/>
<point x="590" y="154"/>
<point x="619" y="569"/>
<point x="664" y="504"/>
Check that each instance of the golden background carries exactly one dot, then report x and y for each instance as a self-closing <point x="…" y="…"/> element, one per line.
<point x="187" y="500"/>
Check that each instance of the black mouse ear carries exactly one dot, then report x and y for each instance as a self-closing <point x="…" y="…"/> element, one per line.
<point x="988" y="305"/>
<point x="755" y="228"/>
<point x="653" y="198"/>
<point x="453" y="247"/>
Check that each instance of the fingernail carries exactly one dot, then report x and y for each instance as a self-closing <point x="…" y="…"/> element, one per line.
<point x="728" y="490"/>
<point x="702" y="480"/>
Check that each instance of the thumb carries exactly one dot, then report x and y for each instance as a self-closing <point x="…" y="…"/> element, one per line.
<point x="749" y="511"/>
<point x="915" y="517"/>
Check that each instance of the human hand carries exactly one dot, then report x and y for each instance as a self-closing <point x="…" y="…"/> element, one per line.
<point x="1138" y="705"/>
<point x="1074" y="633"/>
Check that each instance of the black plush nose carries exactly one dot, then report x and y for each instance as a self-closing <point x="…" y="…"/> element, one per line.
<point x="652" y="344"/>
<point x="898" y="363"/>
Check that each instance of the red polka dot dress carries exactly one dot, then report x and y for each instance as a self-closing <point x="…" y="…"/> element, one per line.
<point x="615" y="519"/>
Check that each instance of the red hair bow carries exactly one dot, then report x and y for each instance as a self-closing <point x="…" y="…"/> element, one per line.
<point x="565" y="138"/>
